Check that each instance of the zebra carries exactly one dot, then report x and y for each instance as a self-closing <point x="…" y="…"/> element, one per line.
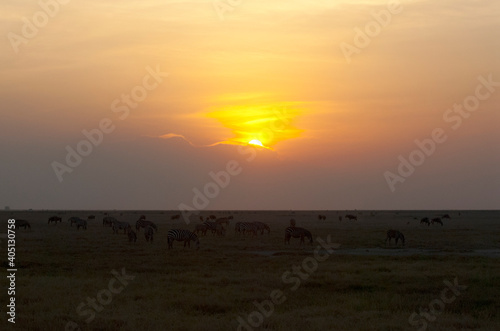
<point x="297" y="233"/>
<point x="142" y="223"/>
<point x="108" y="221"/>
<point x="81" y="223"/>
<point x="212" y="226"/>
<point x="54" y="219"/>
<point x="219" y="230"/>
<point x="396" y="235"/>
<point x="120" y="226"/>
<point x="182" y="235"/>
<point x="22" y="224"/>
<point x="201" y="228"/>
<point x="437" y="220"/>
<point x="237" y="227"/>
<point x="248" y="227"/>
<point x="224" y="220"/>
<point x="262" y="226"/>
<point x="425" y="220"/>
<point x="148" y="233"/>
<point x="132" y="236"/>
<point x="72" y="220"/>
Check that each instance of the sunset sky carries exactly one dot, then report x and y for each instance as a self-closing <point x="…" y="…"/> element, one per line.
<point x="183" y="86"/>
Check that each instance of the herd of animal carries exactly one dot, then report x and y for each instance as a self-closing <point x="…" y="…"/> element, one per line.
<point x="217" y="226"/>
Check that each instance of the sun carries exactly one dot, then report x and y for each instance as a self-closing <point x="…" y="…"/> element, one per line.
<point x="255" y="142"/>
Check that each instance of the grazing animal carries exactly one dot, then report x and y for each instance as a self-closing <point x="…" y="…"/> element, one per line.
<point x="22" y="224"/>
<point x="224" y="220"/>
<point x="437" y="220"/>
<point x="351" y="217"/>
<point x="396" y="235"/>
<point x="72" y="220"/>
<point x="91" y="217"/>
<point x="321" y="217"/>
<point x="182" y="235"/>
<point x="446" y="216"/>
<point x="175" y="217"/>
<point x="117" y="226"/>
<point x="247" y="227"/>
<point x="212" y="226"/>
<point x="219" y="230"/>
<point x="148" y="233"/>
<point x="297" y="233"/>
<point x="142" y="223"/>
<point x="212" y="217"/>
<point x="132" y="236"/>
<point x="237" y="227"/>
<point x="54" y="219"/>
<point x="108" y="221"/>
<point x="201" y="228"/>
<point x="292" y="222"/>
<point x="425" y="220"/>
<point x="262" y="226"/>
<point x="81" y="223"/>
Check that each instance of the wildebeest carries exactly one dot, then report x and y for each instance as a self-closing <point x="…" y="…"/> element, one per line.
<point x="175" y="217"/>
<point x="91" y="217"/>
<point x="351" y="217"/>
<point x="396" y="235"/>
<point x="321" y="217"/>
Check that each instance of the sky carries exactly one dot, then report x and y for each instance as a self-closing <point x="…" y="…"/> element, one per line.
<point x="152" y="104"/>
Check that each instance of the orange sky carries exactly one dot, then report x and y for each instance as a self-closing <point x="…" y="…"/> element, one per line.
<point x="227" y="79"/>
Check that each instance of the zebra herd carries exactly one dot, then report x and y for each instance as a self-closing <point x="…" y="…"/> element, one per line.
<point x="436" y="220"/>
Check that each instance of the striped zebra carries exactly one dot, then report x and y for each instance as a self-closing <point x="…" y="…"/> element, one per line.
<point x="295" y="232"/>
<point x="219" y="230"/>
<point x="182" y="235"/>
<point x="212" y="226"/>
<point x="396" y="235"/>
<point x="54" y="219"/>
<point x="437" y="220"/>
<point x="72" y="220"/>
<point x="262" y="226"/>
<point x="120" y="226"/>
<point x="22" y="224"/>
<point x="148" y="233"/>
<point x="142" y="223"/>
<point x="201" y="228"/>
<point x="237" y="227"/>
<point x="247" y="227"/>
<point x="224" y="220"/>
<point x="108" y="221"/>
<point x="81" y="223"/>
<point x="132" y="236"/>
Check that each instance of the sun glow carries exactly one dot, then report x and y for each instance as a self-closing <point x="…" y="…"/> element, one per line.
<point x="255" y="142"/>
<point x="258" y="125"/>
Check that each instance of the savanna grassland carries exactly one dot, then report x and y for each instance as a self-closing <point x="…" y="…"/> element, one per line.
<point x="362" y="285"/>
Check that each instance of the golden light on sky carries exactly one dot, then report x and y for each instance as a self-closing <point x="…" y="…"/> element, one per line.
<point x="255" y="142"/>
<point x="276" y="72"/>
<point x="265" y="124"/>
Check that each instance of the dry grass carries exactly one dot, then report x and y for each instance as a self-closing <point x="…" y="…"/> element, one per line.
<point x="184" y="289"/>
